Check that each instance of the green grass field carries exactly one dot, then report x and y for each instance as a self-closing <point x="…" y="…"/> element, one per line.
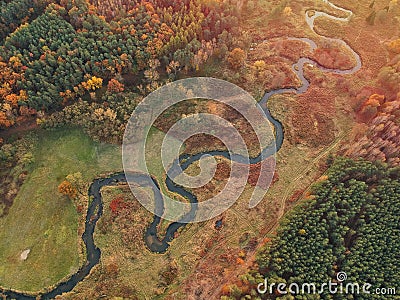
<point x="43" y="220"/>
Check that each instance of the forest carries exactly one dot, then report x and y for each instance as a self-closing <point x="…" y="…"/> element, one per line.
<point x="62" y="51"/>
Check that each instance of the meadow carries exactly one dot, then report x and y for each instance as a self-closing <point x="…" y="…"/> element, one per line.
<point x="43" y="220"/>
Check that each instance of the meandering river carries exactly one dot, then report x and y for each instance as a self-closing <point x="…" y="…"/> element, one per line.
<point x="95" y="208"/>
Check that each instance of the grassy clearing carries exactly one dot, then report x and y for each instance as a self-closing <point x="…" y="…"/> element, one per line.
<point x="153" y="155"/>
<point x="154" y="163"/>
<point x="44" y="221"/>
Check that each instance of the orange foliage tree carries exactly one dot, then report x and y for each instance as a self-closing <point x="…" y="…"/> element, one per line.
<point x="66" y="188"/>
<point x="11" y="72"/>
<point x="378" y="137"/>
<point x="115" y="86"/>
<point x="5" y="121"/>
<point x="236" y="58"/>
<point x="370" y="107"/>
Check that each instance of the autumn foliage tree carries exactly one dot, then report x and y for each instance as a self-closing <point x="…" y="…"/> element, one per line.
<point x="394" y="46"/>
<point x="72" y="186"/>
<point x="370" y="107"/>
<point x="66" y="188"/>
<point x="93" y="83"/>
<point x="236" y="58"/>
<point x="116" y="205"/>
<point x="114" y="86"/>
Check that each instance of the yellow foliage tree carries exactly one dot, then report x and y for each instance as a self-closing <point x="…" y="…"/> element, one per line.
<point x="259" y="66"/>
<point x="302" y="231"/>
<point x="93" y="83"/>
<point x="287" y="11"/>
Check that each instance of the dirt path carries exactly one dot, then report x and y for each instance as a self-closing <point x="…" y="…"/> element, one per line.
<point x="19" y="130"/>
